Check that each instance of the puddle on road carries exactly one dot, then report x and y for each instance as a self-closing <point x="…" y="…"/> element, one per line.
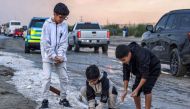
<point x="111" y="52"/>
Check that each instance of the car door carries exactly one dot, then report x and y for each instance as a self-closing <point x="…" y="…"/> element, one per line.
<point x="71" y="35"/>
<point x="155" y="43"/>
<point x="168" y="36"/>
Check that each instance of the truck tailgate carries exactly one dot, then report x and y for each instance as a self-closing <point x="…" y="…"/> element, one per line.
<point x="94" y="34"/>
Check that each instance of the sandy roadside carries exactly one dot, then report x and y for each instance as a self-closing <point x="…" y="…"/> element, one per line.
<point x="10" y="98"/>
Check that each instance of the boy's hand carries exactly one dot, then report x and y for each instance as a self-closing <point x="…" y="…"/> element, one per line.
<point x="58" y="59"/>
<point x="91" y="108"/>
<point x="101" y="106"/>
<point x="124" y="94"/>
<point x="135" y="93"/>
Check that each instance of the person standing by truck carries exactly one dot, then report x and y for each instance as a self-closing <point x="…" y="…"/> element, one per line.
<point x="54" y="43"/>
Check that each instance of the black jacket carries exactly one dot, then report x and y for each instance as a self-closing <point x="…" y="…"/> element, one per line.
<point x="142" y="64"/>
<point x="101" y="87"/>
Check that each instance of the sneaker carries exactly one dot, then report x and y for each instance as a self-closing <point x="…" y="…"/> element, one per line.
<point x="65" y="103"/>
<point x="96" y="103"/>
<point x="45" y="104"/>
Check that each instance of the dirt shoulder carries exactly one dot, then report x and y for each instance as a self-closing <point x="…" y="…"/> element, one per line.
<point x="9" y="97"/>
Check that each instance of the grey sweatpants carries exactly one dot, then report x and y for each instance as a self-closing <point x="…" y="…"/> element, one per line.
<point x="111" y="100"/>
<point x="63" y="78"/>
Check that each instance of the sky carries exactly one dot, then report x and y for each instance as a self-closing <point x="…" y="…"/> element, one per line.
<point x="103" y="11"/>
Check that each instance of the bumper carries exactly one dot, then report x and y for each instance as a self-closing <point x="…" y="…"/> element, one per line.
<point x="33" y="44"/>
<point x="186" y="59"/>
<point x="18" y="35"/>
<point x="93" y="42"/>
<point x="185" y="55"/>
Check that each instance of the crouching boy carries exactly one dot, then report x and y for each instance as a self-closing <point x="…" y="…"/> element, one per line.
<point x="98" y="84"/>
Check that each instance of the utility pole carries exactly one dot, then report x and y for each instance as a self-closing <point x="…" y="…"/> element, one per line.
<point x="81" y="18"/>
<point x="107" y="21"/>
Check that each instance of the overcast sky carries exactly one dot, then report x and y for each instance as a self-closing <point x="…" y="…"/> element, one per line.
<point x="103" y="11"/>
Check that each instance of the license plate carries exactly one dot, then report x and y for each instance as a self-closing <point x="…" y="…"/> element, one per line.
<point x="94" y="41"/>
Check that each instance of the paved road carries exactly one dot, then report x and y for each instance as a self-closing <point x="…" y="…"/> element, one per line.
<point x="169" y="93"/>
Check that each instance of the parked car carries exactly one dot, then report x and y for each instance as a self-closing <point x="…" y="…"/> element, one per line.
<point x="11" y="26"/>
<point x="32" y="40"/>
<point x="89" y="34"/>
<point x="169" y="39"/>
<point x="18" y="33"/>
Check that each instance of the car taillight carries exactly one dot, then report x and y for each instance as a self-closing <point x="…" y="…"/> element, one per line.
<point x="188" y="34"/>
<point x="108" y="34"/>
<point x="79" y="34"/>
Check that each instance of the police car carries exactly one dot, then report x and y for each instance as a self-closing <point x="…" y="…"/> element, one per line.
<point x="32" y="39"/>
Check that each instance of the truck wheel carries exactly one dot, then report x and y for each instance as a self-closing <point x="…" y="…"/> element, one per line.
<point x="176" y="66"/>
<point x="69" y="47"/>
<point x="105" y="48"/>
<point x="76" y="48"/>
<point x="27" y="49"/>
<point x="96" y="49"/>
<point x="144" y="46"/>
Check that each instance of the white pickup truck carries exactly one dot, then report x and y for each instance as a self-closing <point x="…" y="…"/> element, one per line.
<point x="86" y="34"/>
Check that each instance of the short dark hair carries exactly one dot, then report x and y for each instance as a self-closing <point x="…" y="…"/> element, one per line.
<point x="61" y="9"/>
<point x="92" y="72"/>
<point x="122" y="51"/>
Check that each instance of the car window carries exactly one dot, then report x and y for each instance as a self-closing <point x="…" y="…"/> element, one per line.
<point x="172" y="22"/>
<point x="162" y="23"/>
<point x="184" y="21"/>
<point x="87" y="26"/>
<point x="37" y="23"/>
<point x="15" y="23"/>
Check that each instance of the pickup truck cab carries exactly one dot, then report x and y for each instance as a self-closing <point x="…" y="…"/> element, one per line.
<point x="88" y="34"/>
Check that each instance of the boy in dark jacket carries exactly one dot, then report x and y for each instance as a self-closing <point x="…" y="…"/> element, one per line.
<point x="144" y="65"/>
<point x="98" y="83"/>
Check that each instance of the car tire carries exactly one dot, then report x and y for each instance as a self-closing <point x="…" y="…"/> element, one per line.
<point x="144" y="46"/>
<point x="69" y="47"/>
<point x="27" y="49"/>
<point x="176" y="66"/>
<point x="105" y="48"/>
<point x="96" y="49"/>
<point x="76" y="48"/>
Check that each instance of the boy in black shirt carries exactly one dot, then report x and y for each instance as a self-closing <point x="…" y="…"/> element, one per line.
<point x="144" y="65"/>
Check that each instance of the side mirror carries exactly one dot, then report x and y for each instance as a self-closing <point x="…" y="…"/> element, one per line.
<point x="159" y="29"/>
<point x="150" y="28"/>
<point x="24" y="28"/>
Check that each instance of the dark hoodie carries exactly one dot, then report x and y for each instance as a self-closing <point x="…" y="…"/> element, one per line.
<point x="142" y="64"/>
<point x="101" y="87"/>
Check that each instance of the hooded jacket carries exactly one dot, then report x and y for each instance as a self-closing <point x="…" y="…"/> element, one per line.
<point x="102" y="87"/>
<point x="54" y="40"/>
<point x="143" y="63"/>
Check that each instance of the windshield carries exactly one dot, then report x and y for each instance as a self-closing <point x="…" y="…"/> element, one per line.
<point x="37" y="23"/>
<point x="15" y="23"/>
